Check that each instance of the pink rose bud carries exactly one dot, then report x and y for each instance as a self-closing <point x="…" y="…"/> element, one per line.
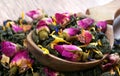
<point x="68" y="51"/>
<point x="35" y="14"/>
<point x="8" y="48"/>
<point x="42" y="25"/>
<point x="102" y="25"/>
<point x="69" y="34"/>
<point x="50" y="72"/>
<point x="113" y="59"/>
<point x="42" y="30"/>
<point x="71" y="31"/>
<point x="85" y="23"/>
<point x="62" y="18"/>
<point x="22" y="60"/>
<point x="85" y="37"/>
<point x="17" y="28"/>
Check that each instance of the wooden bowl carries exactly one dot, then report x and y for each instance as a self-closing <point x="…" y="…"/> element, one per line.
<point x="57" y="63"/>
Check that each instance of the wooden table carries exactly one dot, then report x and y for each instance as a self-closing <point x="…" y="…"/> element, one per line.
<point x="11" y="9"/>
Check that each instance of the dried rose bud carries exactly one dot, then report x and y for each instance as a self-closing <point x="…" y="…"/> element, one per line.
<point x="42" y="30"/>
<point x="62" y="19"/>
<point x="69" y="33"/>
<point x="113" y="59"/>
<point x="85" y="23"/>
<point x="26" y="27"/>
<point x="85" y="37"/>
<point x="8" y="48"/>
<point x="42" y="25"/>
<point x="17" y="28"/>
<point x="35" y="14"/>
<point x="50" y="72"/>
<point x="22" y="60"/>
<point x="69" y="52"/>
<point x="102" y="25"/>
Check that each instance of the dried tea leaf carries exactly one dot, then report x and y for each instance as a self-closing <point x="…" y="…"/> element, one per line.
<point x="13" y="71"/>
<point x="47" y="41"/>
<point x="35" y="37"/>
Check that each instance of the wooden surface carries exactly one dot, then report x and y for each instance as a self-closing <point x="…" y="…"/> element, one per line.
<point x="11" y="9"/>
<point x="105" y="12"/>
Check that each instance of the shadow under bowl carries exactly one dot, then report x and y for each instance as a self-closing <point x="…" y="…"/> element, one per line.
<point x="57" y="63"/>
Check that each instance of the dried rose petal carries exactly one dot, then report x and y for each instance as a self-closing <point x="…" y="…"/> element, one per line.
<point x="8" y="48"/>
<point x="22" y="60"/>
<point x="85" y="37"/>
<point x="35" y="14"/>
<point x="68" y="51"/>
<point x="85" y="23"/>
<point x="102" y="25"/>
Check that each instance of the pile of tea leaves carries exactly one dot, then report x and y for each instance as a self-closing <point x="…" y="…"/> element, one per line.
<point x="65" y="35"/>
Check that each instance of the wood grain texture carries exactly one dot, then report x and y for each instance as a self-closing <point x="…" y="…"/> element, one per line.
<point x="11" y="9"/>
